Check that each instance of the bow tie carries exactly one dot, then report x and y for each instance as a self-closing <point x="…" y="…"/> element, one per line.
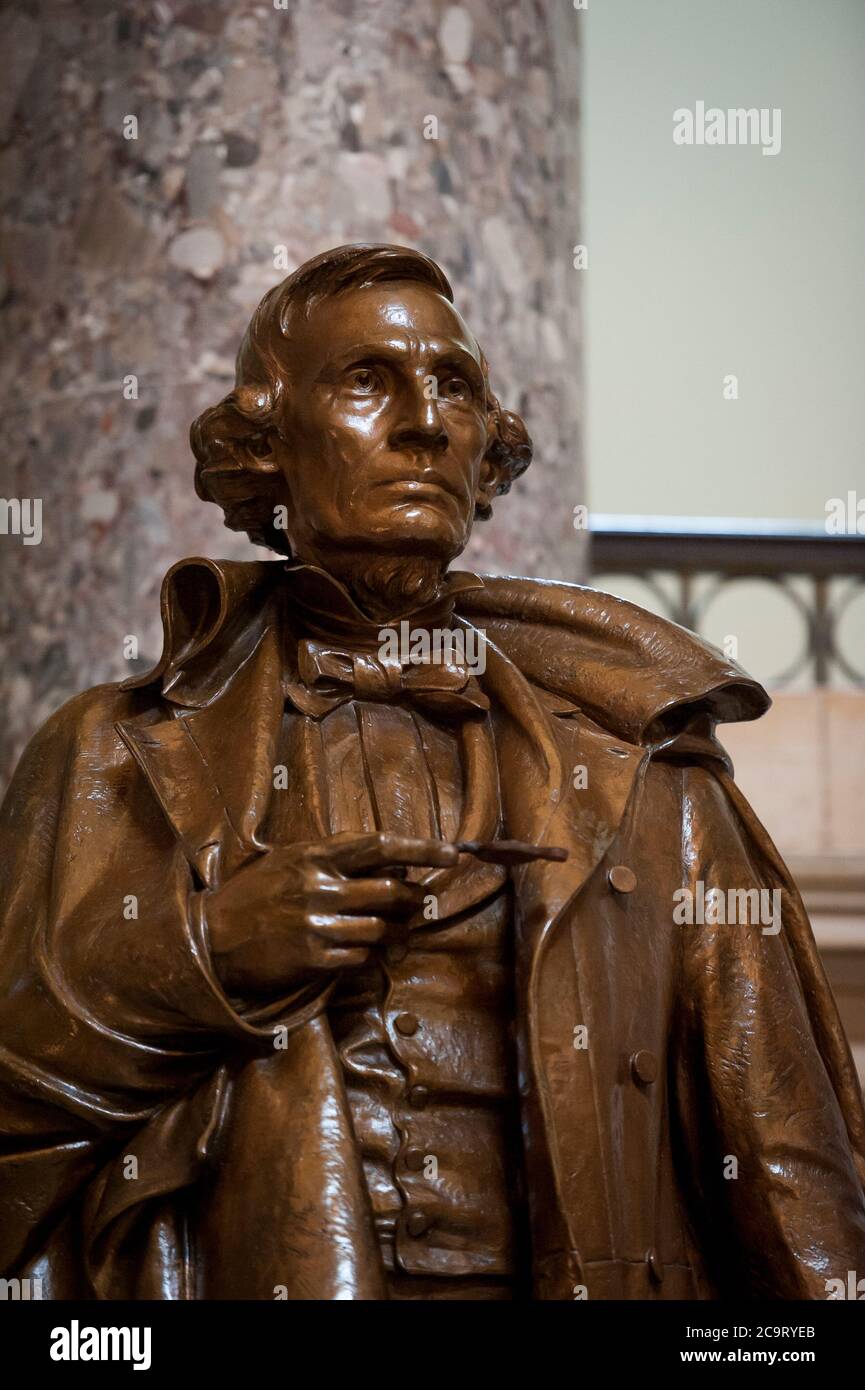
<point x="330" y="675"/>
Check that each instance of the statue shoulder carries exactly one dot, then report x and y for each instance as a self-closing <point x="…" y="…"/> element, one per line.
<point x="636" y="673"/>
<point x="80" y="733"/>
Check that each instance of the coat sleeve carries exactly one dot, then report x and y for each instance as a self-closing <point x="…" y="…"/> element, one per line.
<point x="114" y="1028"/>
<point x="773" y="1112"/>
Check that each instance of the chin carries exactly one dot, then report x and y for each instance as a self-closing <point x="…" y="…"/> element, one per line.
<point x="423" y="529"/>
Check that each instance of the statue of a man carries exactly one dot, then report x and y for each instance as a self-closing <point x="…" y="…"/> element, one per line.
<point x="298" y="999"/>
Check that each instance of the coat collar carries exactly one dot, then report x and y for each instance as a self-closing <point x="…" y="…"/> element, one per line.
<point x="553" y="650"/>
<point x="637" y="674"/>
<point x="325" y="608"/>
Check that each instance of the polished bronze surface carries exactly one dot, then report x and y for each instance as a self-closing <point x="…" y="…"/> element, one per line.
<point x="402" y="934"/>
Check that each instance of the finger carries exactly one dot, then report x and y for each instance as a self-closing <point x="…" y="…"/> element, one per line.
<point x="368" y="895"/>
<point x="339" y="931"/>
<point x="342" y="960"/>
<point x="378" y="849"/>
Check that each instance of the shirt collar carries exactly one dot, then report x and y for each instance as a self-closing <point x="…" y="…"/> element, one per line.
<point x="325" y="608"/>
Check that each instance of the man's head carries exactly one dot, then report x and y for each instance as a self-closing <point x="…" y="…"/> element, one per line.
<point x="361" y="428"/>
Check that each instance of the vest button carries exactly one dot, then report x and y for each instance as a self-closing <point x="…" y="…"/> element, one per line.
<point x="414" y="1159"/>
<point x="418" y="1096"/>
<point x="622" y="879"/>
<point x="417" y="1223"/>
<point x="656" y="1268"/>
<point x="406" y="1024"/>
<point x="644" y="1067"/>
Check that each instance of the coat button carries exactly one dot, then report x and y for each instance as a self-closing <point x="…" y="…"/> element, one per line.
<point x="414" y="1159"/>
<point x="656" y="1269"/>
<point x="417" y="1223"/>
<point x="418" y="1096"/>
<point x="644" y="1067"/>
<point x="622" y="879"/>
<point x="406" y="1024"/>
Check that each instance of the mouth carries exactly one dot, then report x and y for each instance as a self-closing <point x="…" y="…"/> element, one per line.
<point x="420" y="491"/>
<point x="430" y="484"/>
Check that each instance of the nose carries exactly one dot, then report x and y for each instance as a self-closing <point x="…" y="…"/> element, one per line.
<point x="419" y="423"/>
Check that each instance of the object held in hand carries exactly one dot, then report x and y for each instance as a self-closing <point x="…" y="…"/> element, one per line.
<point x="510" y="851"/>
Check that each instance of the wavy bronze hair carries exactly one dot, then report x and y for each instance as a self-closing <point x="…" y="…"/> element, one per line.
<point x="228" y="438"/>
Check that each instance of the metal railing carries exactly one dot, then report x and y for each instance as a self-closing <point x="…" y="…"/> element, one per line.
<point x="686" y="562"/>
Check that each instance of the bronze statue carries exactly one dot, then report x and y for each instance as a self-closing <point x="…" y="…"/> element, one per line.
<point x="401" y="934"/>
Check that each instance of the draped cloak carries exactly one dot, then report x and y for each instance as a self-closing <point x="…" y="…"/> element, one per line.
<point x="133" y="1088"/>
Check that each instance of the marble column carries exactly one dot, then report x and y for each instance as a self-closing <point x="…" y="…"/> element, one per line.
<point x="155" y="158"/>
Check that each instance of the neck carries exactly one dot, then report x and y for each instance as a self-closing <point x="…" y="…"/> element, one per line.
<point x="384" y="586"/>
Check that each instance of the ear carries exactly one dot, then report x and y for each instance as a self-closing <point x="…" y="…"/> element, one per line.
<point x="259" y="452"/>
<point x="508" y="455"/>
<point x="236" y="436"/>
<point x="490" y="480"/>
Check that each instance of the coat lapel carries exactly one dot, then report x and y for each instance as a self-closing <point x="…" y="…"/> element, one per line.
<point x="212" y="769"/>
<point x="541" y="745"/>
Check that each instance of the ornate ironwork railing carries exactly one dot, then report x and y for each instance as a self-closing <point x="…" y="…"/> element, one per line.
<point x="686" y="562"/>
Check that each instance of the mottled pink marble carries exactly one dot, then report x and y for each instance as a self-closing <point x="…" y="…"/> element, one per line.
<point x="257" y="127"/>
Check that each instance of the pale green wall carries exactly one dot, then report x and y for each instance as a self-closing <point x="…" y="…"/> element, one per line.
<point x="704" y="261"/>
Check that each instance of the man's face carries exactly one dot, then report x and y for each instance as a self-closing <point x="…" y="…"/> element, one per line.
<point x="385" y="428"/>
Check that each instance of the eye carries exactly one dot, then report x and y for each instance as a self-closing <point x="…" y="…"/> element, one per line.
<point x="455" y="388"/>
<point x="364" y="381"/>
